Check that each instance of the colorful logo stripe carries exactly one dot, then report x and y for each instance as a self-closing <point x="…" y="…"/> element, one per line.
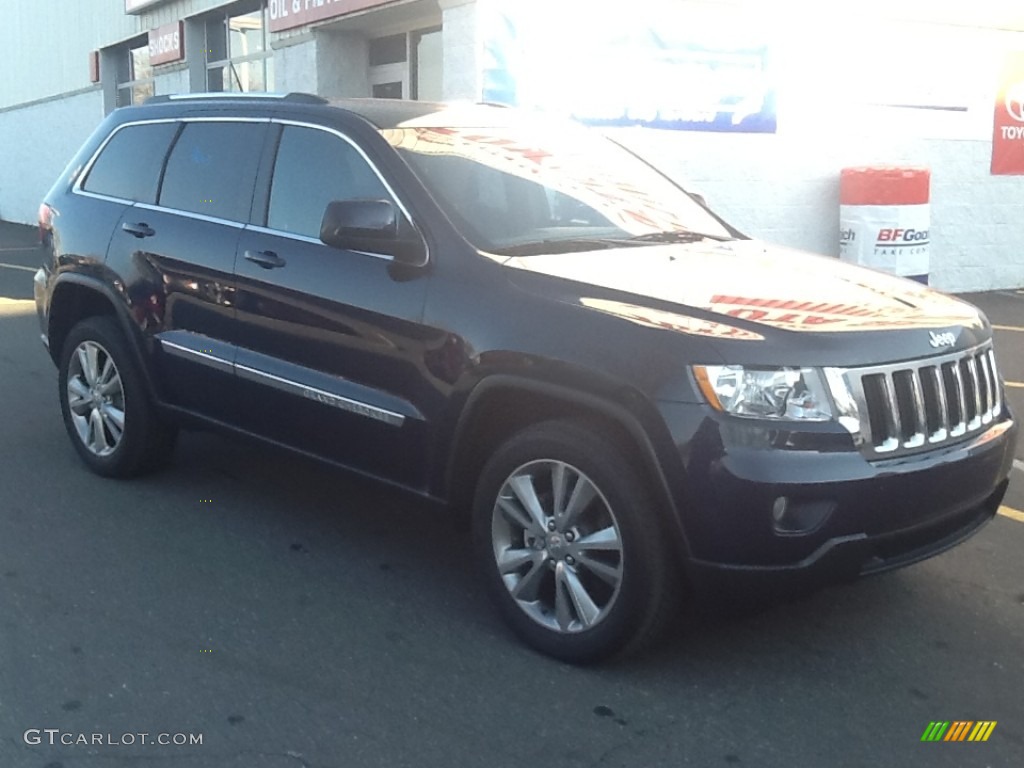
<point x="958" y="730"/>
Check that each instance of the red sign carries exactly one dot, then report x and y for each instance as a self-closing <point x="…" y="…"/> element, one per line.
<point x="1008" y="129"/>
<point x="167" y="43"/>
<point x="286" y="14"/>
<point x="94" y="66"/>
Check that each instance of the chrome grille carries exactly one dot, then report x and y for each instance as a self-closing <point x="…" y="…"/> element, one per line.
<point x="925" y="403"/>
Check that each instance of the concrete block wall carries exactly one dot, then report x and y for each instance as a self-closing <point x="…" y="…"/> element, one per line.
<point x="295" y="66"/>
<point x="341" y="63"/>
<point x="777" y="189"/>
<point x="36" y="144"/>
<point x="325" y="62"/>
<point x="462" y="45"/>
<point x="833" y="92"/>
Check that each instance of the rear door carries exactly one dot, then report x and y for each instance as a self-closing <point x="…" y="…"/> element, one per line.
<point x="331" y="346"/>
<point x="126" y="170"/>
<point x="177" y="257"/>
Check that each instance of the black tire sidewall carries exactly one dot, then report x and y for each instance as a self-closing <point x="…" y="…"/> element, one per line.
<point x="129" y="457"/>
<point x="643" y="553"/>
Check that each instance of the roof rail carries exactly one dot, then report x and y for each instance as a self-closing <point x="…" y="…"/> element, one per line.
<point x="288" y="98"/>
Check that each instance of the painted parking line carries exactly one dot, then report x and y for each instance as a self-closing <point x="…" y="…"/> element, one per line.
<point x="1014" y="384"/>
<point x="1013" y="514"/>
<point x="1016" y="328"/>
<point x="17" y="266"/>
<point x="1018" y="464"/>
<point x="10" y="307"/>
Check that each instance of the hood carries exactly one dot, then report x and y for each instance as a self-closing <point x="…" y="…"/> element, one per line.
<point x="743" y="285"/>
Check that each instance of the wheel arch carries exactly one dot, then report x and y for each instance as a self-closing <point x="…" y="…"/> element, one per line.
<point x="502" y="405"/>
<point x="76" y="297"/>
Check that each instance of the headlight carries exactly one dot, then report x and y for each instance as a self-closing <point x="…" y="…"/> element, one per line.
<point x="795" y="394"/>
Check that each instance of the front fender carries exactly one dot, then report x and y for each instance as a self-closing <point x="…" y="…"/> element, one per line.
<point x="627" y="412"/>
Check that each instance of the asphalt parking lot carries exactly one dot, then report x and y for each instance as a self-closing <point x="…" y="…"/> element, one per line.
<point x="297" y="618"/>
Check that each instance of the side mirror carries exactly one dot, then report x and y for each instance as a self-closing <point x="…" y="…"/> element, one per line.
<point x="371" y="226"/>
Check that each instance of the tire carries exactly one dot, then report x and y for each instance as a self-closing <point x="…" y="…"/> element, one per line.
<point x="590" y="579"/>
<point x="109" y="416"/>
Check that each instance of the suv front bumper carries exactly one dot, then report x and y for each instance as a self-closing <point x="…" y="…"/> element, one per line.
<point x="856" y="517"/>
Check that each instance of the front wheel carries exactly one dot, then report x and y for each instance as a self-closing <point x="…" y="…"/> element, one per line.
<point x="570" y="544"/>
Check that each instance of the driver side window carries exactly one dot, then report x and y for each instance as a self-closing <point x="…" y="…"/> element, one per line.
<point x="312" y="168"/>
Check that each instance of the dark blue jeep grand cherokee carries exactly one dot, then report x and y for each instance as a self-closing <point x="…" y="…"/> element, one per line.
<point x="522" y="319"/>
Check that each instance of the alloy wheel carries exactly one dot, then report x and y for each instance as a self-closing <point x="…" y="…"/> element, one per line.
<point x="96" y="398"/>
<point x="557" y="546"/>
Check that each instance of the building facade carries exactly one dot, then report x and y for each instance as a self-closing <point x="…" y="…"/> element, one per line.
<point x="871" y="84"/>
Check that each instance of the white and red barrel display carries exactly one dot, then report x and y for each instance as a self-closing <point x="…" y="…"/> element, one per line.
<point x="884" y="218"/>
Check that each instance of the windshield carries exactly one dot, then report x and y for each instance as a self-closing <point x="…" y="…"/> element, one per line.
<point x="544" y="189"/>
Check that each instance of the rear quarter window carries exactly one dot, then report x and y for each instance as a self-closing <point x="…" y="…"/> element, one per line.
<point x="212" y="169"/>
<point x="129" y="164"/>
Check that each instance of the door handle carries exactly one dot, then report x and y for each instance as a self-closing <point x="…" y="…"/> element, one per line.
<point x="266" y="259"/>
<point x="140" y="229"/>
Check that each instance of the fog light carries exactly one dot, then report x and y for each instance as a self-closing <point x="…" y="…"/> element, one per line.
<point x="779" y="509"/>
<point x="793" y="517"/>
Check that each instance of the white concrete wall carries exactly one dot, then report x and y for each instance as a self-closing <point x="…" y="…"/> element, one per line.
<point x="295" y="66"/>
<point x="325" y="62"/>
<point x="341" y="63"/>
<point x="462" y="59"/>
<point x="778" y="189"/>
<point x="784" y="188"/>
<point x="838" y="70"/>
<point x="36" y="144"/>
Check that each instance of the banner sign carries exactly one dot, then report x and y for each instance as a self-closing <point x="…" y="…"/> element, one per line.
<point x="287" y="14"/>
<point x="1008" y="126"/>
<point x="167" y="43"/>
<point x="656" y="65"/>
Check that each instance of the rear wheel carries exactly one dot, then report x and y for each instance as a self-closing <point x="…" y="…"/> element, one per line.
<point x="108" y="414"/>
<point x="570" y="544"/>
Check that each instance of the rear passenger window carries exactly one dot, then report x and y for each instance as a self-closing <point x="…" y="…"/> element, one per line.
<point x="313" y="168"/>
<point x="212" y="169"/>
<point x="129" y="165"/>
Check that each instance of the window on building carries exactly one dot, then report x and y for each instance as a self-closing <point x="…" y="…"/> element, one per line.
<point x="212" y="169"/>
<point x="238" y="56"/>
<point x="134" y="73"/>
<point x="129" y="166"/>
<point x="407" y="66"/>
<point x="313" y="168"/>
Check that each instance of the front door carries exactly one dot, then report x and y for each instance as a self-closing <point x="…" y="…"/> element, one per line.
<point x="330" y="345"/>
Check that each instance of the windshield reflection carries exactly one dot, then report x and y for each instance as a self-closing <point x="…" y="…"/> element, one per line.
<point x="558" y="188"/>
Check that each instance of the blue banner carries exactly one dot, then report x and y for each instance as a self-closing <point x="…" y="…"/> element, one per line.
<point x="653" y="66"/>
